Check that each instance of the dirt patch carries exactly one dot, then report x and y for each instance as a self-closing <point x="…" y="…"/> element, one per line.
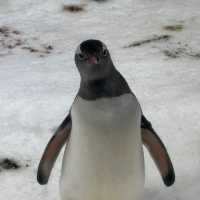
<point x="176" y="27"/>
<point x="174" y="53"/>
<point x="181" y="50"/>
<point x="42" y="50"/>
<point x="8" y="164"/>
<point x="11" y="39"/>
<point x="11" y="164"/>
<point x="31" y="49"/>
<point x="155" y="38"/>
<point x="195" y="55"/>
<point x="6" y="31"/>
<point x="73" y="8"/>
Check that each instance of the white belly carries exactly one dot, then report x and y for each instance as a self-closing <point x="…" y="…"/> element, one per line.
<point x="104" y="157"/>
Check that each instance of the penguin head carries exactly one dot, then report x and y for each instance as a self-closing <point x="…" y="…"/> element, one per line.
<point x="93" y="60"/>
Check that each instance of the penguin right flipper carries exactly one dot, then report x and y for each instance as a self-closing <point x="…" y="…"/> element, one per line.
<point x="158" y="152"/>
<point x="53" y="149"/>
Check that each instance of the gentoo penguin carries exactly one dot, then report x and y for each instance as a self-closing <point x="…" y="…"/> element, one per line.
<point x="104" y="131"/>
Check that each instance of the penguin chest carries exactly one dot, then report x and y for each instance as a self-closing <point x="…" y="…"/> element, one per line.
<point x="104" y="158"/>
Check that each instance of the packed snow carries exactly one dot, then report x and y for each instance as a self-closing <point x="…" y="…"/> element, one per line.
<point x="39" y="80"/>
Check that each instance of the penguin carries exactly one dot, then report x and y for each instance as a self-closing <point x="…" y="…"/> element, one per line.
<point x="105" y="131"/>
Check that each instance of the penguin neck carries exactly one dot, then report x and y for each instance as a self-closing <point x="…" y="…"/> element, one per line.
<point x="110" y="86"/>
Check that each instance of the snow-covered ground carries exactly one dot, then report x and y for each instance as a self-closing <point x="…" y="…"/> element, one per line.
<point x="38" y="82"/>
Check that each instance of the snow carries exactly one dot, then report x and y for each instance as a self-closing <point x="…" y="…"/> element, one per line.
<point x="38" y="88"/>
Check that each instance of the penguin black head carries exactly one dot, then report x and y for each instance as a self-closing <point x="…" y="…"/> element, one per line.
<point x="93" y="60"/>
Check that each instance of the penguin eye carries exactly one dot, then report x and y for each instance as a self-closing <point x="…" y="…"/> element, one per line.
<point x="105" y="52"/>
<point x="81" y="56"/>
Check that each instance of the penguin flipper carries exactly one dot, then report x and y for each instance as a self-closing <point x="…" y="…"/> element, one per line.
<point x="52" y="150"/>
<point x="158" y="152"/>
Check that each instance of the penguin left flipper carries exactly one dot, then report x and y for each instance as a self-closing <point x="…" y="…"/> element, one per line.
<point x="158" y="152"/>
<point x="52" y="150"/>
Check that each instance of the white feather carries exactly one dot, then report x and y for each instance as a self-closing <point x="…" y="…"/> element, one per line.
<point x="104" y="158"/>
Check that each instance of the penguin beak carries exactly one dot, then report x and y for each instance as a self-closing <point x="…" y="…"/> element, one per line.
<point x="93" y="60"/>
